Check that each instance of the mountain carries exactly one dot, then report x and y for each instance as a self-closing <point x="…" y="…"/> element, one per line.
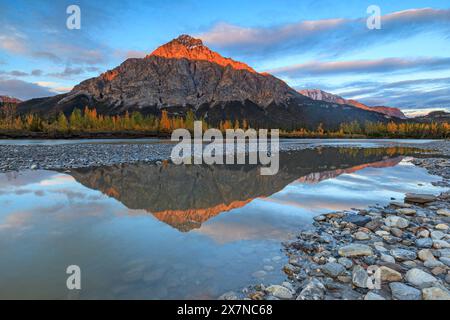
<point x="435" y="116"/>
<point x="318" y="94"/>
<point x="10" y="100"/>
<point x="185" y="74"/>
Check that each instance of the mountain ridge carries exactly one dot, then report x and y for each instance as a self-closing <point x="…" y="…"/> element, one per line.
<point x="318" y="94"/>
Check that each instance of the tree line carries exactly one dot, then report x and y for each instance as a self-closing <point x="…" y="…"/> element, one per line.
<point x="89" y="120"/>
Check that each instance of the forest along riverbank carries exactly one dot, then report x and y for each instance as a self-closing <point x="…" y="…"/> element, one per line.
<point x="405" y="245"/>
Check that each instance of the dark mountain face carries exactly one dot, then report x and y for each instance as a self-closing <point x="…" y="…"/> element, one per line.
<point x="184" y="74"/>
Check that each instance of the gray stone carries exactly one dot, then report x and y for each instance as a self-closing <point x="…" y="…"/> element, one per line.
<point x="314" y="290"/>
<point x="435" y="293"/>
<point x="424" y="243"/>
<point x="347" y="263"/>
<point x="396" y="222"/>
<point x="419" y="198"/>
<point x="420" y="279"/>
<point x="440" y="244"/>
<point x="359" y="277"/>
<point x="437" y="235"/>
<point x="228" y="296"/>
<point x="320" y="218"/>
<point x="407" y="211"/>
<point x="280" y="292"/>
<point x="361" y="236"/>
<point x="333" y="269"/>
<point x="387" y="258"/>
<point x="388" y="275"/>
<point x="425" y="254"/>
<point x="401" y="291"/>
<point x="355" y="250"/>
<point x="403" y="254"/>
<point x="358" y="220"/>
<point x="445" y="261"/>
<point x="444" y="212"/>
<point x="373" y="296"/>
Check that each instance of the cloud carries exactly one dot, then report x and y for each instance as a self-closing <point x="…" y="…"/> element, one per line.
<point x="329" y="37"/>
<point x="37" y="73"/>
<point x="43" y="34"/>
<point x="425" y="93"/>
<point x="319" y="68"/>
<point x="68" y="72"/>
<point x="14" y="73"/>
<point x="22" y="89"/>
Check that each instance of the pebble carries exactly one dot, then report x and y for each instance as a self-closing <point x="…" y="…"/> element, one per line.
<point x="396" y="222"/>
<point x="402" y="291"/>
<point x="359" y="277"/>
<point x="280" y="292"/>
<point x="407" y="211"/>
<point x="419" y="278"/>
<point x="445" y="261"/>
<point x="423" y="234"/>
<point x="443" y="212"/>
<point x="440" y="244"/>
<point x="419" y="198"/>
<point x="435" y="293"/>
<point x="425" y="254"/>
<point x="403" y="254"/>
<point x="347" y="263"/>
<point x="373" y="296"/>
<point x="389" y="275"/>
<point x="424" y="243"/>
<point x="333" y="269"/>
<point x="355" y="250"/>
<point x="387" y="258"/>
<point x="314" y="290"/>
<point x="441" y="226"/>
<point x="357" y="219"/>
<point x="437" y="235"/>
<point x="361" y="236"/>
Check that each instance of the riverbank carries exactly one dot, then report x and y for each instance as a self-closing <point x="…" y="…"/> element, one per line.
<point x="128" y="134"/>
<point x="397" y="252"/>
<point x="87" y="153"/>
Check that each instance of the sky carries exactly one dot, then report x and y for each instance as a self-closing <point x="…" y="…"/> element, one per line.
<point x="309" y="44"/>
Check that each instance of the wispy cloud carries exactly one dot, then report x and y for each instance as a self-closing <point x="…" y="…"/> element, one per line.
<point x="426" y="93"/>
<point x="329" y="37"/>
<point x="320" y="68"/>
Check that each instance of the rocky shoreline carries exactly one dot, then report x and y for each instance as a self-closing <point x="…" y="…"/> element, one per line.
<point x="397" y="252"/>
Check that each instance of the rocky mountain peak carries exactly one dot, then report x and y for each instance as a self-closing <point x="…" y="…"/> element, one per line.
<point x="188" y="41"/>
<point x="187" y="47"/>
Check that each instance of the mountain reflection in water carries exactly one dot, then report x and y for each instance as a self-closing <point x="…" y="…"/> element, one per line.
<point x="187" y="196"/>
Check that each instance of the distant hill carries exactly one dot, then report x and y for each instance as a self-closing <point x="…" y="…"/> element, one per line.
<point x="10" y="100"/>
<point x="321" y="95"/>
<point x="435" y="116"/>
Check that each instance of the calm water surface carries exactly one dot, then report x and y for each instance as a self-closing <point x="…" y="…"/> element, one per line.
<point x="145" y="231"/>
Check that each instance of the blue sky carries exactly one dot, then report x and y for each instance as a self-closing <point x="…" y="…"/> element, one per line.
<point x="309" y="44"/>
